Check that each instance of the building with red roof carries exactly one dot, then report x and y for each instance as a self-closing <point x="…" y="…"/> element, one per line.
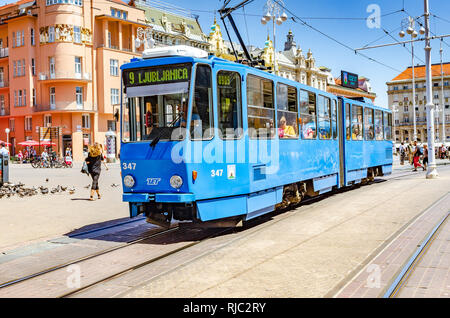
<point x="401" y="102"/>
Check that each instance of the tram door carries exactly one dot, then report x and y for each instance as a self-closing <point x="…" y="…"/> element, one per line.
<point x="342" y="136"/>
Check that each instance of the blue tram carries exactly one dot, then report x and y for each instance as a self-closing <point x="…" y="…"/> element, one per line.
<point x="217" y="143"/>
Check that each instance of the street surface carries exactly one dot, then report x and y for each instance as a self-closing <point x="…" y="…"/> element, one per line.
<point x="316" y="250"/>
<point x="23" y="220"/>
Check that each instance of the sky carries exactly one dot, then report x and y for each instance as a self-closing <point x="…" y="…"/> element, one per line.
<point x="344" y="21"/>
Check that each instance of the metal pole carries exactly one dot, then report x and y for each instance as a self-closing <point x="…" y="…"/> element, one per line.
<point x="275" y="67"/>
<point x="443" y="134"/>
<point x="414" y="93"/>
<point x="432" y="172"/>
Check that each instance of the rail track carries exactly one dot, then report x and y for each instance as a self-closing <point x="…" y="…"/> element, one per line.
<point x="408" y="269"/>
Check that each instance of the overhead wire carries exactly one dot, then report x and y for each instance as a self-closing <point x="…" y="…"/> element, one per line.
<point x="295" y="17"/>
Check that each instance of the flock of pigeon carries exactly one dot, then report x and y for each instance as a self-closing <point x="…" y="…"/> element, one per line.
<point x="10" y="189"/>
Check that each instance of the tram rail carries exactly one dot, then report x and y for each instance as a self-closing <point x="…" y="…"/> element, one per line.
<point x="407" y="270"/>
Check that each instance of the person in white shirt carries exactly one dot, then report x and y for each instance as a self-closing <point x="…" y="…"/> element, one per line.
<point x="44" y="155"/>
<point x="3" y="150"/>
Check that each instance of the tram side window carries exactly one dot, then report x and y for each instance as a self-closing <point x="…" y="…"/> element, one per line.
<point x="308" y="114"/>
<point x="260" y="108"/>
<point x="357" y="122"/>
<point x="347" y="121"/>
<point x="202" y="113"/>
<point x="334" y="118"/>
<point x="230" y="104"/>
<point x="387" y="126"/>
<point x="368" y="124"/>
<point x="324" y="111"/>
<point x="287" y="111"/>
<point x="378" y="125"/>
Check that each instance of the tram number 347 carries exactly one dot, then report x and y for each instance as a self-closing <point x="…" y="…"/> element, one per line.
<point x="216" y="173"/>
<point x="129" y="166"/>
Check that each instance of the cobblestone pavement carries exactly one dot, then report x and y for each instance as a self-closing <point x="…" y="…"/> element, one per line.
<point x="25" y="220"/>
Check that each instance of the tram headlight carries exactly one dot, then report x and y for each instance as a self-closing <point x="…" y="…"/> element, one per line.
<point x="176" y="182"/>
<point x="128" y="181"/>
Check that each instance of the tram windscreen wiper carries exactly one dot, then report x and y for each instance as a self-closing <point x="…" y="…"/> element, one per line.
<point x="157" y="138"/>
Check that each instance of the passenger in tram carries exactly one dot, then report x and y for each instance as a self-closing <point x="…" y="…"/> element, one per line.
<point x="370" y="134"/>
<point x="285" y="131"/>
<point x="356" y="135"/>
<point x="307" y="130"/>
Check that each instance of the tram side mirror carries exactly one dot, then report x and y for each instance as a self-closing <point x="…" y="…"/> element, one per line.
<point x="116" y="115"/>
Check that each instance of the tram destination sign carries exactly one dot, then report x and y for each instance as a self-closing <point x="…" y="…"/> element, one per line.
<point x="157" y="75"/>
<point x="349" y="80"/>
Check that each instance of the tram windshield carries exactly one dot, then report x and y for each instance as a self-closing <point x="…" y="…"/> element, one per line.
<point x="156" y="103"/>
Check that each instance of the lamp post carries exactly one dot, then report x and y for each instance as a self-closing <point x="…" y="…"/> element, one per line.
<point x="7" y="137"/>
<point x="443" y="134"/>
<point x="432" y="172"/>
<point x="273" y="12"/>
<point x="413" y="33"/>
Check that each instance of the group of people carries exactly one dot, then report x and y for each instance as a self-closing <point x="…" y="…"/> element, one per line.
<point x="417" y="155"/>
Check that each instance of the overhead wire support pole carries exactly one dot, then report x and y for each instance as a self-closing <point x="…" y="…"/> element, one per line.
<point x="432" y="172"/>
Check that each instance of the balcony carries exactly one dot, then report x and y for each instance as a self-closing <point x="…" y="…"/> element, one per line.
<point x="64" y="106"/>
<point x="65" y="77"/>
<point x="4" y="52"/>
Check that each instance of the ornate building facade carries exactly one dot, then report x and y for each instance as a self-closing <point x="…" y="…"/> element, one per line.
<point x="60" y="65"/>
<point x="292" y="63"/>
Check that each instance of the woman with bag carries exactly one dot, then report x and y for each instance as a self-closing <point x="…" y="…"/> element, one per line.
<point x="94" y="162"/>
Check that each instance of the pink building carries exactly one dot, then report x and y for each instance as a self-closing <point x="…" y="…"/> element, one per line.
<point x="59" y="67"/>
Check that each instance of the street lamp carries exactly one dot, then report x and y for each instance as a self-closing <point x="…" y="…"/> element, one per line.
<point x="443" y="134"/>
<point x="144" y="36"/>
<point x="413" y="33"/>
<point x="273" y="12"/>
<point x="7" y="137"/>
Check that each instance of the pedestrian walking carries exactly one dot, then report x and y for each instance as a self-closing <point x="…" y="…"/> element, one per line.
<point x="410" y="153"/>
<point x="425" y="156"/>
<point x="402" y="153"/>
<point x="416" y="157"/>
<point x="94" y="162"/>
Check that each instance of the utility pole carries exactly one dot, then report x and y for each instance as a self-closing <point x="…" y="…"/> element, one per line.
<point x="443" y="134"/>
<point x="432" y="172"/>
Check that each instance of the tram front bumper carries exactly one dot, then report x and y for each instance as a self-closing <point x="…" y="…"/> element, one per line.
<point x="159" y="197"/>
